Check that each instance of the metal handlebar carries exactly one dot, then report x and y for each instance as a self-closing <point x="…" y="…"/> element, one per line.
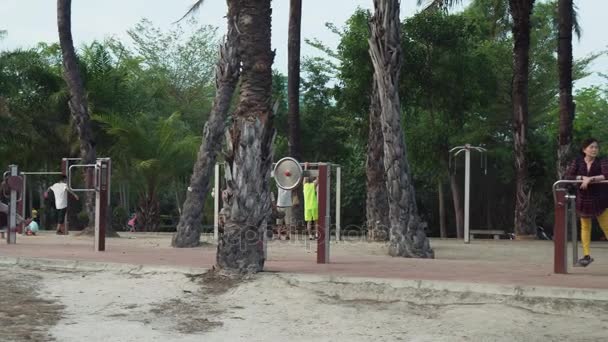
<point x="82" y="166"/>
<point x="567" y="181"/>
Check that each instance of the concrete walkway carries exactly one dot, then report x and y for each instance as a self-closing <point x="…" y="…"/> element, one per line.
<point x="501" y="263"/>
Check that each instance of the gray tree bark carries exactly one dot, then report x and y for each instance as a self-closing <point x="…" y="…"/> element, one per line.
<point x="377" y="210"/>
<point x="407" y="235"/>
<point x="226" y="77"/>
<point x="249" y="154"/>
<point x="521" y="11"/>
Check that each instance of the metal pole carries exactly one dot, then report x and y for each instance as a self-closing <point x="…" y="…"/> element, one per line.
<point x="467" y="185"/>
<point x="560" y="264"/>
<point x="324" y="218"/>
<point x="11" y="234"/>
<point x="573" y="227"/>
<point x="101" y="203"/>
<point x="338" y="209"/>
<point x="216" y="203"/>
<point x="24" y="197"/>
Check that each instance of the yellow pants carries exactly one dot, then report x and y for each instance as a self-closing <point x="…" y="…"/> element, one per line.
<point x="586" y="229"/>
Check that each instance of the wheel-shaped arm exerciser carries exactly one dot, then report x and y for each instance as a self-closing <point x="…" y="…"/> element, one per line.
<point x="288" y="173"/>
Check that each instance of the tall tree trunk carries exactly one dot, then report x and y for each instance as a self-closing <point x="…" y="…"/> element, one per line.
<point x="78" y="100"/>
<point x="293" y="94"/>
<point x="148" y="211"/>
<point x="377" y="209"/>
<point x="566" y="104"/>
<point x="249" y="158"/>
<point x="226" y="77"/>
<point x="521" y="10"/>
<point x="458" y="212"/>
<point x="442" y="230"/>
<point x="293" y="77"/>
<point x="407" y="235"/>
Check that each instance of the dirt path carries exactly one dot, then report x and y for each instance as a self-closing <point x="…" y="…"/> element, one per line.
<point x="25" y="315"/>
<point x="105" y="306"/>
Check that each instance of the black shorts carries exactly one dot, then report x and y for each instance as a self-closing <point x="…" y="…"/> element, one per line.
<point x="61" y="215"/>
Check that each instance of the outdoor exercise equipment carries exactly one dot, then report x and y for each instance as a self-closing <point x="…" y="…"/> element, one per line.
<point x="101" y="186"/>
<point x="288" y="174"/>
<point x="565" y="219"/>
<point x="467" y="178"/>
<point x="65" y="164"/>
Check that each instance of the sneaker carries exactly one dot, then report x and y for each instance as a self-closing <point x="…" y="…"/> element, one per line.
<point x="585" y="261"/>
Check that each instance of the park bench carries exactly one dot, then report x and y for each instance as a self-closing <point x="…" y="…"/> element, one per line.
<point x="496" y="232"/>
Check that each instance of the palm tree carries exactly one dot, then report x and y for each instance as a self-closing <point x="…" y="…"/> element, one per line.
<point x="249" y="157"/>
<point x="521" y="11"/>
<point x="407" y="235"/>
<point x="564" y="61"/>
<point x="78" y="100"/>
<point x="293" y="90"/>
<point x="293" y="77"/>
<point x="226" y="78"/>
<point x="153" y="153"/>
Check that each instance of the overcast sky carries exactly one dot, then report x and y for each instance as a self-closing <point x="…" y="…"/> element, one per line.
<point x="32" y="21"/>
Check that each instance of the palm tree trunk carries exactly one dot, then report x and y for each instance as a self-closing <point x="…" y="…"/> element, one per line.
<point x="566" y="104"/>
<point x="377" y="209"/>
<point x="521" y="10"/>
<point x="458" y="212"/>
<point x="226" y="77"/>
<point x="249" y="159"/>
<point x="407" y="235"/>
<point x="293" y="94"/>
<point x="78" y="100"/>
<point x="148" y="213"/>
<point x="442" y="230"/>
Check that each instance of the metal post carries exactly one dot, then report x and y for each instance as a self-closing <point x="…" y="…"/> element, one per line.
<point x="102" y="169"/>
<point x="324" y="218"/>
<point x="23" y="205"/>
<point x="573" y="227"/>
<point x="467" y="185"/>
<point x="338" y="193"/>
<point x="11" y="234"/>
<point x="560" y="233"/>
<point x="216" y="203"/>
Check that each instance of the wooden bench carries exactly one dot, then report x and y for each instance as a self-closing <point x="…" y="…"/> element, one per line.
<point x="496" y="232"/>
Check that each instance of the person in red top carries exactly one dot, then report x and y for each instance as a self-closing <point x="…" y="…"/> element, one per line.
<point x="591" y="199"/>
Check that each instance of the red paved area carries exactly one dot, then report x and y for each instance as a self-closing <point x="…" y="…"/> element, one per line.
<point x="483" y="261"/>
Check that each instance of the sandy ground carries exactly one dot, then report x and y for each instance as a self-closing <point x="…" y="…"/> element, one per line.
<point x="48" y="305"/>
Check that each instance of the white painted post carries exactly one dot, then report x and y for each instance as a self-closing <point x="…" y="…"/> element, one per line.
<point x="338" y="193"/>
<point x="467" y="184"/>
<point x="216" y="203"/>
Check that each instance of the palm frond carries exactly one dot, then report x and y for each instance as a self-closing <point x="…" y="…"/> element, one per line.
<point x="443" y="5"/>
<point x="578" y="30"/>
<point x="195" y="7"/>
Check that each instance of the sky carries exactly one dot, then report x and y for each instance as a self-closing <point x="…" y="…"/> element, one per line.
<point x="31" y="21"/>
